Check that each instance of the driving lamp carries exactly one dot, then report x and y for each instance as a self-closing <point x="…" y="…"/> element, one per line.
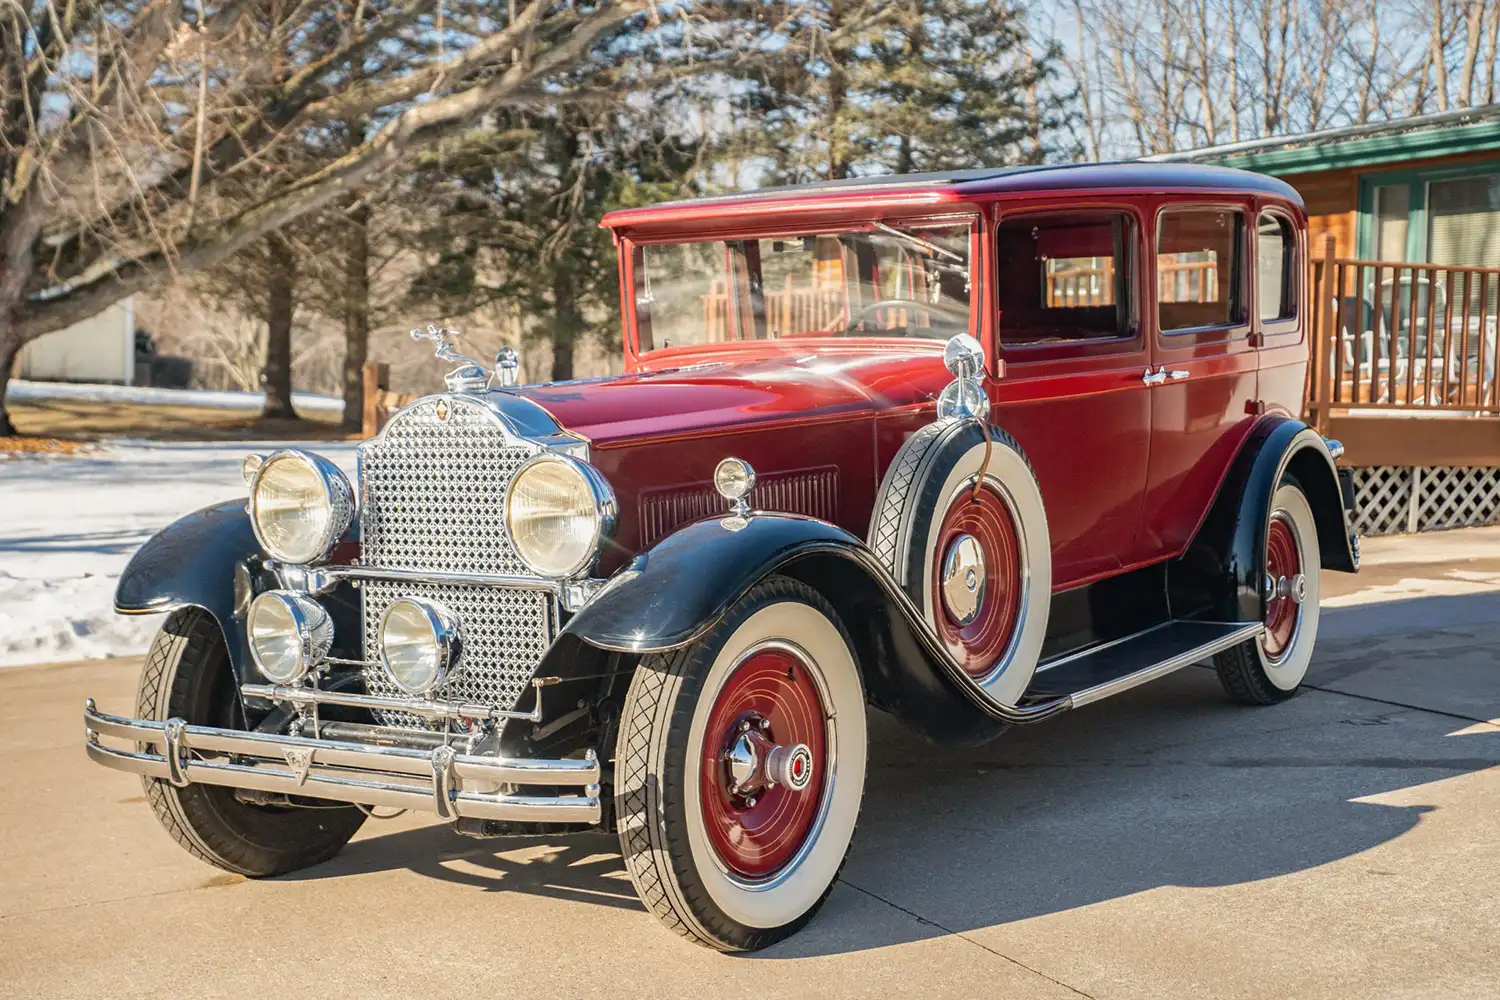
<point x="557" y="511"/>
<point x="300" y="506"/>
<point x="420" y="644"/>
<point x="289" y="635"/>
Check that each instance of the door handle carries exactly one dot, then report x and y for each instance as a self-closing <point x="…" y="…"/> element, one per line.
<point x="1154" y="377"/>
<point x="1177" y="373"/>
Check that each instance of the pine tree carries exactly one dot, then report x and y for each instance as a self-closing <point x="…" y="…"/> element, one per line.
<point x="914" y="85"/>
<point x="516" y="223"/>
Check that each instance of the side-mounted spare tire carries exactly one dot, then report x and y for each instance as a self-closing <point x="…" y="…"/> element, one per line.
<point x="959" y="522"/>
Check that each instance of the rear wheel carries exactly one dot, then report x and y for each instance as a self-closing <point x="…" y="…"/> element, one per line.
<point x="1270" y="668"/>
<point x="188" y="676"/>
<point x="740" y="768"/>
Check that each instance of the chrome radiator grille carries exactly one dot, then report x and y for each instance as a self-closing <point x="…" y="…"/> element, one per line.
<point x="432" y="493"/>
<point x="432" y="496"/>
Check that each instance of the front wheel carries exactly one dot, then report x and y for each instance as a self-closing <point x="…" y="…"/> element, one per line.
<point x="1270" y="668"/>
<point x="740" y="768"/>
<point x="188" y="676"/>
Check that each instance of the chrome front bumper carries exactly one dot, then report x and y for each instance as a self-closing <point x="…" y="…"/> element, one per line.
<point x="441" y="781"/>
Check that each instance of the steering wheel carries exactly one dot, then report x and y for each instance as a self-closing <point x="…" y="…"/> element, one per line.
<point x="864" y="311"/>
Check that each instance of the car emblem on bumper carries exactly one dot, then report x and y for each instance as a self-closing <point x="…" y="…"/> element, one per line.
<point x="299" y="759"/>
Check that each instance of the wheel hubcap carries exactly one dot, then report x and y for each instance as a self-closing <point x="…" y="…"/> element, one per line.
<point x="979" y="579"/>
<point x="1284" y="586"/>
<point x="963" y="579"/>
<point x="765" y="763"/>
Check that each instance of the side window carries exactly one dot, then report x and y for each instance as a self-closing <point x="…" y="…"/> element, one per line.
<point x="1275" y="253"/>
<point x="1198" y="271"/>
<point x="1064" y="277"/>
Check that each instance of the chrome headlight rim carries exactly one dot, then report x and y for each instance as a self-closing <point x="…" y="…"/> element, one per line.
<point x="338" y="495"/>
<point x="311" y="625"/>
<point x="447" y="639"/>
<point x="606" y="512"/>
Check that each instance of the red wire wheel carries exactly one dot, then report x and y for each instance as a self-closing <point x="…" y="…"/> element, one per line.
<point x="986" y="518"/>
<point x="756" y="841"/>
<point x="1282" y="560"/>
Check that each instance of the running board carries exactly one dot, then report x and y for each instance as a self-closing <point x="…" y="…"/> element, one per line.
<point x="1106" y="670"/>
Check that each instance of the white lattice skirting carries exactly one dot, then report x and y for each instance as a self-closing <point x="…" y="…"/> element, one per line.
<point x="1390" y="499"/>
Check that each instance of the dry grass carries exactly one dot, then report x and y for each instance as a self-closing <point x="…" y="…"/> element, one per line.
<point x="41" y="446"/>
<point x="68" y="424"/>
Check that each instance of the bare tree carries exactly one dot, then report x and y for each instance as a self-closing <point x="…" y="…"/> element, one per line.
<point x="136" y="133"/>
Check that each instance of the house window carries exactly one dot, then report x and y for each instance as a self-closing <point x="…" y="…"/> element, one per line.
<point x="1275" y="252"/>
<point x="1392" y="207"/>
<point x="1442" y="216"/>
<point x="1198" y="269"/>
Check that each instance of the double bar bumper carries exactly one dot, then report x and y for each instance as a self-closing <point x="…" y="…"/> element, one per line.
<point x="441" y="781"/>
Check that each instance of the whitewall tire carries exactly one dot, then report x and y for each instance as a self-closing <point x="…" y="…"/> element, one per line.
<point x="740" y="769"/>
<point x="978" y="562"/>
<point x="1271" y="668"/>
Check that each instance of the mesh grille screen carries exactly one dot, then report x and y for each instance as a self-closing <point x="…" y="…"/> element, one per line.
<point x="433" y="492"/>
<point x="432" y="498"/>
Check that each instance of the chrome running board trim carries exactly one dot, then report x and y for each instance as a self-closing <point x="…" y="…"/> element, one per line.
<point x="398" y="777"/>
<point x="1111" y="668"/>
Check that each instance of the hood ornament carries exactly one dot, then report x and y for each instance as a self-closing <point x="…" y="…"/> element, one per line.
<point x="470" y="375"/>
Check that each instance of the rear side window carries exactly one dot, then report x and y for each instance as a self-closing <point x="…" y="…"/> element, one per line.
<point x="1275" y="252"/>
<point x="1198" y="271"/>
<point x="1064" y="277"/>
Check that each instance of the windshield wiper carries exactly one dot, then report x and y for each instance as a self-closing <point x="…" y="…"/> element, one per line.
<point x="924" y="244"/>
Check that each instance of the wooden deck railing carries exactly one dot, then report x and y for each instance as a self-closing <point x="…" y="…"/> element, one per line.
<point x="1390" y="335"/>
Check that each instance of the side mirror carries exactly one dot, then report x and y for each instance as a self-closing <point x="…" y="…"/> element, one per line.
<point x="964" y="357"/>
<point x="964" y="397"/>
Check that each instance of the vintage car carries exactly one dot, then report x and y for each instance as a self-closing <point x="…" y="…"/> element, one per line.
<point x="973" y="448"/>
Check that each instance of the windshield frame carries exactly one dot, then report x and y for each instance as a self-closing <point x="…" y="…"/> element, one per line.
<point x="969" y="215"/>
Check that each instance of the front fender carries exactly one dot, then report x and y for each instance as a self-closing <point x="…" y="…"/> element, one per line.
<point x="1219" y="574"/>
<point x="671" y="594"/>
<point x="207" y="559"/>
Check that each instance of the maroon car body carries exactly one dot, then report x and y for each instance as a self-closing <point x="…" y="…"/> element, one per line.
<point x="975" y="448"/>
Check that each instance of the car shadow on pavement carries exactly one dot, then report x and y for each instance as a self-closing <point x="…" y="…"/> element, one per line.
<point x="1169" y="785"/>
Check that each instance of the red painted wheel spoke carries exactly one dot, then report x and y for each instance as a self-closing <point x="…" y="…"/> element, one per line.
<point x="756" y="836"/>
<point x="988" y="520"/>
<point x="1283" y="562"/>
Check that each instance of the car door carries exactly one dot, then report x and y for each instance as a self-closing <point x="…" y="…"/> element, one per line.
<point x="1068" y="317"/>
<point x="1203" y="384"/>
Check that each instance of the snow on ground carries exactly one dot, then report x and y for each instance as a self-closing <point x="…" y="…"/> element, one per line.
<point x="27" y="391"/>
<point x="69" y="524"/>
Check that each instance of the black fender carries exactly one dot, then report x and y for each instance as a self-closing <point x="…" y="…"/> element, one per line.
<point x="208" y="559"/>
<point x="1219" y="575"/>
<point x="671" y="594"/>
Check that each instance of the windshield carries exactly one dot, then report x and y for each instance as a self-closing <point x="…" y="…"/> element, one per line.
<point x="887" y="282"/>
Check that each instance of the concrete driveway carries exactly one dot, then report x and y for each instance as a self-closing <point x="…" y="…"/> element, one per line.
<point x="1164" y="844"/>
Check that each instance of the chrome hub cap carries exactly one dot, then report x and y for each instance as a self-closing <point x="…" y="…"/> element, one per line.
<point x="963" y="579"/>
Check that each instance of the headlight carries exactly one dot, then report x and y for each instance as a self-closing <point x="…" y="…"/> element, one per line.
<point x="300" y="506"/>
<point x="289" y="635"/>
<point x="557" y="510"/>
<point x="420" y="644"/>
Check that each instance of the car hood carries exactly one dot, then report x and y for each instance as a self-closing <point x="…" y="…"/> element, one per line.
<point x="744" y="390"/>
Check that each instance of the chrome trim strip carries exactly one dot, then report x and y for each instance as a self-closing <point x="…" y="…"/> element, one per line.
<point x="424" y="707"/>
<point x="321" y="579"/>
<point x="1110" y="688"/>
<point x="349" y="772"/>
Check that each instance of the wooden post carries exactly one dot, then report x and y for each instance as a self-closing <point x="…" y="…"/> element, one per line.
<point x="1325" y="296"/>
<point x="377" y="377"/>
